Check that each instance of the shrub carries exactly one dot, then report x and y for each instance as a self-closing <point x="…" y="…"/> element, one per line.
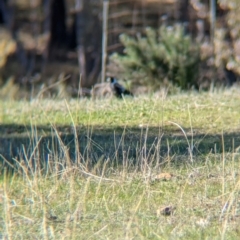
<point x="227" y="43"/>
<point x="161" y="58"/>
<point x="7" y="46"/>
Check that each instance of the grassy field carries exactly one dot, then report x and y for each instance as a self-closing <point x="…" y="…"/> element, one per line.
<point x="208" y="112"/>
<point x="151" y="167"/>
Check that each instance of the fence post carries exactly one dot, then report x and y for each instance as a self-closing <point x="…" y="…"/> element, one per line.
<point x="212" y="18"/>
<point x="104" y="38"/>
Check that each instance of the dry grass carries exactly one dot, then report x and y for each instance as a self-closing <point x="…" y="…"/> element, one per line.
<point x="125" y="203"/>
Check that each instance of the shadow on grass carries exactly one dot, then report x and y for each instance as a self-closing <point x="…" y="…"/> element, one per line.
<point x="18" y="142"/>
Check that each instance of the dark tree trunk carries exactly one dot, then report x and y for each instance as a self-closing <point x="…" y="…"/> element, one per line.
<point x="57" y="22"/>
<point x="184" y="11"/>
<point x="46" y="30"/>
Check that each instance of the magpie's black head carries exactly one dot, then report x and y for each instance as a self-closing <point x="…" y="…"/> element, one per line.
<point x="112" y="79"/>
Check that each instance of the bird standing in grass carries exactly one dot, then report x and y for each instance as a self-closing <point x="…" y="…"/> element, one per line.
<point x="118" y="89"/>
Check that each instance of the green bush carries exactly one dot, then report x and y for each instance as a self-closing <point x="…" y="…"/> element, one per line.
<point x="162" y="58"/>
<point x="226" y="42"/>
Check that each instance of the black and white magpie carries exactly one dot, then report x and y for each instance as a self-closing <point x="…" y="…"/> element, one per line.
<point x="118" y="89"/>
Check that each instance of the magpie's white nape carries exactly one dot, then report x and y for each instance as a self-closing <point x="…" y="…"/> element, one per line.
<point x="118" y="89"/>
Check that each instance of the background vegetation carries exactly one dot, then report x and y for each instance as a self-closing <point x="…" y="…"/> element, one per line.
<point x="53" y="38"/>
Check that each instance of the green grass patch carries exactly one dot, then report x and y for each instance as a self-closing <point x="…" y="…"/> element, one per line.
<point x="206" y="112"/>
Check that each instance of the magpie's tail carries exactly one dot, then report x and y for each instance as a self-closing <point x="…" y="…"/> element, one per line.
<point x="127" y="92"/>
